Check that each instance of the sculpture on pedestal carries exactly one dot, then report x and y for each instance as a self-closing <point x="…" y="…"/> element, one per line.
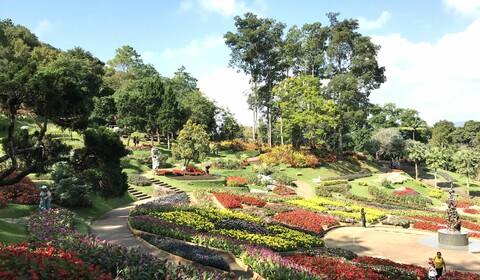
<point x="155" y="161"/>
<point x="452" y="217"/>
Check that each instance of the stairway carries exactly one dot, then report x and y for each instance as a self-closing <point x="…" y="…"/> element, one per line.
<point x="165" y="185"/>
<point x="138" y="194"/>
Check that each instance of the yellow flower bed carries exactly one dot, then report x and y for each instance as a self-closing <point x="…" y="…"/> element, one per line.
<point x="277" y="243"/>
<point x="302" y="239"/>
<point x="308" y="204"/>
<point x="435" y="193"/>
<point x="190" y="219"/>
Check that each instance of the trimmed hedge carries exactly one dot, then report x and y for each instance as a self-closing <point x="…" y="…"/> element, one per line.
<point x="349" y="177"/>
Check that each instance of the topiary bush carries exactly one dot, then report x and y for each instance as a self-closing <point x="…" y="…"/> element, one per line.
<point x="139" y="180"/>
<point x="67" y="189"/>
<point x="226" y="163"/>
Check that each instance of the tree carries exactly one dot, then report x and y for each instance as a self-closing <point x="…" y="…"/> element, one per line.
<point x="353" y="71"/>
<point x="416" y="151"/>
<point x="54" y="86"/>
<point x="201" y="110"/>
<point x="191" y="144"/>
<point x="256" y="50"/>
<point x="467" y="134"/>
<point x="442" y="133"/>
<point x="436" y="158"/>
<point x="151" y="94"/>
<point x="169" y="115"/>
<point x="467" y="162"/>
<point x="306" y="112"/>
<point x="227" y="126"/>
<point x="410" y="121"/>
<point x="388" y="143"/>
<point x="130" y="113"/>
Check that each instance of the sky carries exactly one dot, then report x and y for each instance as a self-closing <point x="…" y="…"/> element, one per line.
<point x="430" y="48"/>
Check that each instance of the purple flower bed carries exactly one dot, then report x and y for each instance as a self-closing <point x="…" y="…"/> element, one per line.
<point x="198" y="254"/>
<point x="236" y="224"/>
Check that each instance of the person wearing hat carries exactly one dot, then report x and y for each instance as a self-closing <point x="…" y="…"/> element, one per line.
<point x="45" y="198"/>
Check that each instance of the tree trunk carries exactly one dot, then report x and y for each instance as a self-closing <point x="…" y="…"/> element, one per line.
<point x="416" y="170"/>
<point x="168" y="140"/>
<point x="468" y="187"/>
<point x="128" y="139"/>
<point x="281" y="131"/>
<point x="340" y="141"/>
<point x="158" y="137"/>
<point x="435" y="178"/>
<point x="269" y="119"/>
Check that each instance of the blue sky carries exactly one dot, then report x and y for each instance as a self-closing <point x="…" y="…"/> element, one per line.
<point x="430" y="49"/>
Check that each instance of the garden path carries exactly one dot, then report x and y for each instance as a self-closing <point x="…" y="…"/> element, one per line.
<point x="304" y="189"/>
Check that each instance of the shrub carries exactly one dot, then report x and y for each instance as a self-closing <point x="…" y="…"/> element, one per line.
<point x="333" y="182"/>
<point x="349" y="177"/>
<point x="138" y="180"/>
<point x="363" y="183"/>
<point x="235" y="181"/>
<point x="67" y="189"/>
<point x="226" y="163"/>
<point x="23" y="192"/>
<point x="282" y="178"/>
<point x="435" y="193"/>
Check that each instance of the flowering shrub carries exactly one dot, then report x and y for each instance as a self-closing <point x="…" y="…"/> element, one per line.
<point x="435" y="193"/>
<point x="23" y="192"/>
<point x="306" y="220"/>
<point x="235" y="181"/>
<point x="405" y="191"/>
<point x="177" y="172"/>
<point x="45" y="262"/>
<point x="285" y="154"/>
<point x="3" y="201"/>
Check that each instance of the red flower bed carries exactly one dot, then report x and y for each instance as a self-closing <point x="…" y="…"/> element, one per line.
<point x="428" y="226"/>
<point x="252" y="201"/>
<point x="430" y="219"/>
<point x="231" y="201"/>
<point x="228" y="201"/>
<point x="306" y="220"/>
<point x="283" y="190"/>
<point x="474" y="234"/>
<point x="470" y="211"/>
<point x="177" y="172"/>
<point x="245" y="163"/>
<point x="334" y="269"/>
<point x="24" y="262"/>
<point x="406" y="191"/>
<point x="464" y="204"/>
<point x="455" y="275"/>
<point x="235" y="181"/>
<point x="420" y="271"/>
<point x="470" y="225"/>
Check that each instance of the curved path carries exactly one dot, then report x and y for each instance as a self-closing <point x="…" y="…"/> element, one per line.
<point x="401" y="245"/>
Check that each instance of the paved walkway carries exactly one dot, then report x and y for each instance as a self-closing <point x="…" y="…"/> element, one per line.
<point x="400" y="245"/>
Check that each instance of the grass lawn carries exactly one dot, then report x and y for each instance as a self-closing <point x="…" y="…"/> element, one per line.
<point x="12" y="233"/>
<point x="17" y="210"/>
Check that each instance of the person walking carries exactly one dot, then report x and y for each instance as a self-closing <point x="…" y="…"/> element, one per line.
<point x="45" y="198"/>
<point x="432" y="272"/>
<point x="439" y="263"/>
<point x="364" y="219"/>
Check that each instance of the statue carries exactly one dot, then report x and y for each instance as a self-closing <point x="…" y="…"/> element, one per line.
<point x="155" y="162"/>
<point x="453" y="219"/>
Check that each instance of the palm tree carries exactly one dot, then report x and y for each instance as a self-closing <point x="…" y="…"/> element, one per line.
<point x="436" y="158"/>
<point x="467" y="163"/>
<point x="416" y="151"/>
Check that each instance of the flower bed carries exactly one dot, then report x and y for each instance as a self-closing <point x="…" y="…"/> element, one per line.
<point x="283" y="190"/>
<point x="464" y="204"/>
<point x="307" y="220"/>
<point x="405" y="191"/>
<point x="26" y="261"/>
<point x="471" y="211"/>
<point x="428" y="226"/>
<point x="231" y="201"/>
<point x="23" y="192"/>
<point x="235" y="181"/>
<point x="189" y="171"/>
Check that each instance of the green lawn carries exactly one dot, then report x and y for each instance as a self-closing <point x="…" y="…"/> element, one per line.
<point x="17" y="210"/>
<point x="12" y="233"/>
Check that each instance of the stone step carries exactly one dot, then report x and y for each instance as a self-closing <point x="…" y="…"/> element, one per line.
<point x="141" y="197"/>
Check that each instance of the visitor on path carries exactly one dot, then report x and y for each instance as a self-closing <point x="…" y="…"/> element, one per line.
<point x="45" y="198"/>
<point x="207" y="169"/>
<point x="432" y="272"/>
<point x="439" y="263"/>
<point x="364" y="219"/>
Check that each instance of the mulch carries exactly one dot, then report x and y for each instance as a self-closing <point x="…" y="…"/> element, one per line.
<point x="194" y="178"/>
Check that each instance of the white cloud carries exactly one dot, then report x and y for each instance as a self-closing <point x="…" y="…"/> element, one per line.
<point x="375" y="24"/>
<point x="228" y="88"/>
<point x="439" y="80"/>
<point x="226" y="8"/>
<point x="42" y="27"/>
<point x="194" y="49"/>
<point x="464" y="7"/>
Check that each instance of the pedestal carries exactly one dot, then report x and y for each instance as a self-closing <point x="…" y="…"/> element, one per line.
<point x="452" y="239"/>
